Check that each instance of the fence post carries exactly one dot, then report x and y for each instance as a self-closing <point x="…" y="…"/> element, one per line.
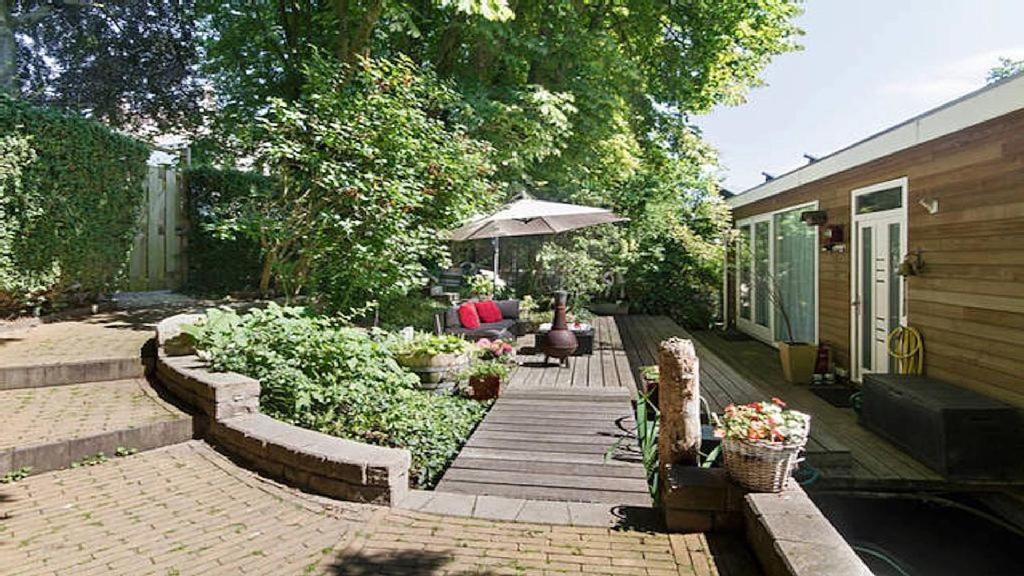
<point x="679" y="404"/>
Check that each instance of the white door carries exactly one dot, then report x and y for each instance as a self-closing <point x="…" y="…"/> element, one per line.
<point x="879" y="243"/>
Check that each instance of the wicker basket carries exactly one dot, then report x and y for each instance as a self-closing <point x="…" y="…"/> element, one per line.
<point x="760" y="466"/>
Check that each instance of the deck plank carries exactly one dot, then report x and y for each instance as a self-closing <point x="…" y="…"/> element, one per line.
<point x="558" y="433"/>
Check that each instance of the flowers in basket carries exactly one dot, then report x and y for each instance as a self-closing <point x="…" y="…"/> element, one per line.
<point x="769" y="422"/>
<point x="761" y="442"/>
<point x="495" y="350"/>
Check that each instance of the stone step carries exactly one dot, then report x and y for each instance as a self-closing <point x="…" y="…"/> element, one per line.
<point x="50" y="428"/>
<point x="71" y="372"/>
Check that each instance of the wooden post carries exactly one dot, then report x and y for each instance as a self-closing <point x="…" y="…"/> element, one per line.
<point x="679" y="404"/>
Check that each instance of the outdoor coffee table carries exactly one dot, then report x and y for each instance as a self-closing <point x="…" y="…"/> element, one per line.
<point x="584" y="337"/>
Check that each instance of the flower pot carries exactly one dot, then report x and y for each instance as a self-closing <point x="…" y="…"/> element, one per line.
<point x="434" y="371"/>
<point x="759" y="466"/>
<point x="484" y="387"/>
<point x="797" y="361"/>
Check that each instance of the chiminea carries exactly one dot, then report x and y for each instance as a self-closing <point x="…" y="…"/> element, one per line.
<point x="560" y="342"/>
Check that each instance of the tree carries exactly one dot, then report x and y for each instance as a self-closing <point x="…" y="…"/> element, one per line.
<point x="257" y="50"/>
<point x="130" y="63"/>
<point x="587" y="102"/>
<point x="1007" y="67"/>
<point x="369" y="165"/>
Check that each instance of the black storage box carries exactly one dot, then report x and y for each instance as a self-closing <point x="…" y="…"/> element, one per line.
<point x="957" y="432"/>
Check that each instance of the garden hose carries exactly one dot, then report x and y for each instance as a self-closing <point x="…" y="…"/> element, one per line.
<point x="906" y="347"/>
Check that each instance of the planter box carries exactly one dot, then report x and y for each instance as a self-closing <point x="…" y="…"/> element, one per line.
<point x="797" y="361"/>
<point x="484" y="388"/>
<point x="434" y="371"/>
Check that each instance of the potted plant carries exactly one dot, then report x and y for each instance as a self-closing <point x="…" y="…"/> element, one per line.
<point x="797" y="358"/>
<point x="485" y="379"/>
<point x="760" y="442"/>
<point x="649" y="377"/>
<point x="435" y="359"/>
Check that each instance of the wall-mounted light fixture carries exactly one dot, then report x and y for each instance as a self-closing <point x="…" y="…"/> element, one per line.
<point x="929" y="204"/>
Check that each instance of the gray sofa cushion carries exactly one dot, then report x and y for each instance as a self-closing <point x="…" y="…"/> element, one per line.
<point x="451" y="318"/>
<point x="509" y="308"/>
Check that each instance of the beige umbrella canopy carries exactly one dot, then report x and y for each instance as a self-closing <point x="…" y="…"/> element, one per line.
<point x="530" y="217"/>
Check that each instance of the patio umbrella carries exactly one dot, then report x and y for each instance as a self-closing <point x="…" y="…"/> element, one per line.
<point x="528" y="216"/>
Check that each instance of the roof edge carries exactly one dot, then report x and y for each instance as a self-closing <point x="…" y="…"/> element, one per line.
<point x="986" y="103"/>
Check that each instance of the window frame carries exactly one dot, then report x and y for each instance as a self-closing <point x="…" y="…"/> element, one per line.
<point x="766" y="334"/>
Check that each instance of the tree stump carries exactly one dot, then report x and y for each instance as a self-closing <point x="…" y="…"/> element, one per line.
<point x="679" y="404"/>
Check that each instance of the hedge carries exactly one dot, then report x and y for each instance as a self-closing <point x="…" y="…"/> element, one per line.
<point x="218" y="264"/>
<point x="70" y="194"/>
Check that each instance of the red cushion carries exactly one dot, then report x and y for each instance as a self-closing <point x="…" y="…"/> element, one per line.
<point x="488" y="311"/>
<point x="468" y="316"/>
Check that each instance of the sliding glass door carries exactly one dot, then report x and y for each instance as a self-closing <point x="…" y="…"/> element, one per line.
<point x="777" y="266"/>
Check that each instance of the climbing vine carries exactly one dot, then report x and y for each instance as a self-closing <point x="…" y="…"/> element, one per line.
<point x="70" y="195"/>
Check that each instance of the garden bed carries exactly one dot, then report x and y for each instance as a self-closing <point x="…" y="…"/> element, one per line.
<point x="320" y="374"/>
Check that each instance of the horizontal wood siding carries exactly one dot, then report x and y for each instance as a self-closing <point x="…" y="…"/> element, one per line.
<point x="969" y="301"/>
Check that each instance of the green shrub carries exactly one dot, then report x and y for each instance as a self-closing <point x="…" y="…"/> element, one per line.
<point x="218" y="262"/>
<point x="409" y="310"/>
<point x="70" y="195"/>
<point x="340" y="380"/>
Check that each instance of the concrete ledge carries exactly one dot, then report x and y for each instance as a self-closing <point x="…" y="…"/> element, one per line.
<point x="532" y="511"/>
<point x="228" y="414"/>
<point x="61" y="373"/>
<point x="791" y="537"/>
<point x="59" y="455"/>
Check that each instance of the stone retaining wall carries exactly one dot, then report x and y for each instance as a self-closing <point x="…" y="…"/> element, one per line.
<point x="227" y="406"/>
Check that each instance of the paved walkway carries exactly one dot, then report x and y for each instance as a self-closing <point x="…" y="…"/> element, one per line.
<point x="103" y="336"/>
<point x="179" y="510"/>
<point x="559" y="433"/>
<point x="43" y="415"/>
<point x="186" y="509"/>
<point x="565" y="445"/>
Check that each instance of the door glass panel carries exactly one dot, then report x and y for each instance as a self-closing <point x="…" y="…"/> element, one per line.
<point x="866" y="301"/>
<point x="743" y="259"/>
<point x="879" y="201"/>
<point x="762" y="296"/>
<point x="795" y="256"/>
<point x="895" y="253"/>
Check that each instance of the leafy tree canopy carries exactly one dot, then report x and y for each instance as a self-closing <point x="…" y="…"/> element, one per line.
<point x="1007" y="67"/>
<point x="130" y="63"/>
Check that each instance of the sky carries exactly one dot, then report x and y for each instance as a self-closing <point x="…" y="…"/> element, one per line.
<point x="866" y="65"/>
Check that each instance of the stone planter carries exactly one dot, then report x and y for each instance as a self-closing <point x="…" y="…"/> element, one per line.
<point x="797" y="361"/>
<point x="484" y="388"/>
<point x="436" y="372"/>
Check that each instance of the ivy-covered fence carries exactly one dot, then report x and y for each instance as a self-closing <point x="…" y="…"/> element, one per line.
<point x="70" y="195"/>
<point x="218" y="264"/>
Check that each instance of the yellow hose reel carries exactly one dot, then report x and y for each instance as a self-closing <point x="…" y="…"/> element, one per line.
<point x="907" y="349"/>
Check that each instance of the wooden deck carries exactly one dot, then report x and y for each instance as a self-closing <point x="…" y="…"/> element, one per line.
<point x="547" y="436"/>
<point x="846" y="454"/>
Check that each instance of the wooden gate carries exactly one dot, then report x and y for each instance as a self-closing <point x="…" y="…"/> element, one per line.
<point x="158" y="254"/>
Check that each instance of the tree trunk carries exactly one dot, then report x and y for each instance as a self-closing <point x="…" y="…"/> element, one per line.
<point x="8" y="51"/>
<point x="679" y="404"/>
<point x="266" y="273"/>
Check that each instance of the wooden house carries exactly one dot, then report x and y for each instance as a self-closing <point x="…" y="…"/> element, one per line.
<point x="943" y="195"/>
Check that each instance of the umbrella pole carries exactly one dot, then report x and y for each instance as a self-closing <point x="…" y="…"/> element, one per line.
<point x="496" y="262"/>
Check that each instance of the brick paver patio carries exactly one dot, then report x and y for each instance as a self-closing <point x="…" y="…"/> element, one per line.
<point x="416" y="543"/>
<point x="186" y="509"/>
<point x="41" y="415"/>
<point x="118" y="334"/>
<point x="179" y="510"/>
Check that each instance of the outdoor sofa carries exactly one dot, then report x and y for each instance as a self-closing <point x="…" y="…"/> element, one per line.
<point x="448" y="322"/>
